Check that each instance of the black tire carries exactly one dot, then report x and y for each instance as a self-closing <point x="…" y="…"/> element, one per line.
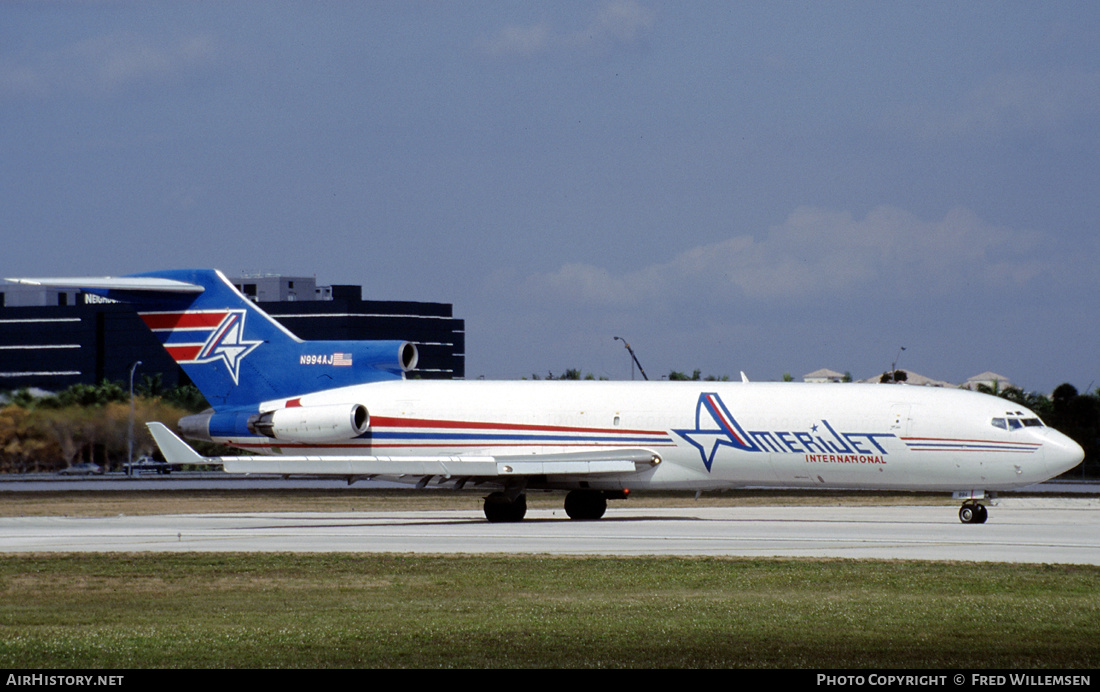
<point x="518" y="508"/>
<point x="973" y="513"/>
<point x="585" y="505"/>
<point x="499" y="509"/>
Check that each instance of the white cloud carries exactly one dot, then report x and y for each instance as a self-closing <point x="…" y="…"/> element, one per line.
<point x="624" y="22"/>
<point x="105" y="64"/>
<point x="1011" y="102"/>
<point x="617" y="23"/>
<point x="519" y="41"/>
<point x="815" y="252"/>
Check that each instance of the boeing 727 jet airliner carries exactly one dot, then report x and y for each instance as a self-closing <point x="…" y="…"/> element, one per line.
<point x="345" y="408"/>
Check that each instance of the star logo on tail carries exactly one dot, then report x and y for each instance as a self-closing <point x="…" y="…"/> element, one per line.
<point x="227" y="343"/>
<point x="714" y="428"/>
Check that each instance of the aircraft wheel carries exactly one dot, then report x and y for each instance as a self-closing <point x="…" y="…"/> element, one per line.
<point x="498" y="508"/>
<point x="973" y="513"/>
<point x="519" y="508"/>
<point x="585" y="504"/>
<point x="982" y="515"/>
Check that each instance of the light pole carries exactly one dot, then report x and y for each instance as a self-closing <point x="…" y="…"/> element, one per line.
<point x="894" y="365"/>
<point x="634" y="357"/>
<point x="130" y="464"/>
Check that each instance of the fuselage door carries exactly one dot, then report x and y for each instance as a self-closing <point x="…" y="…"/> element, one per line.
<point x="900" y="419"/>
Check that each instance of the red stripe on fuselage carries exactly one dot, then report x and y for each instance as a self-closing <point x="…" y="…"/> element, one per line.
<point x="387" y="422"/>
<point x="440" y="445"/>
<point x="1011" y="443"/>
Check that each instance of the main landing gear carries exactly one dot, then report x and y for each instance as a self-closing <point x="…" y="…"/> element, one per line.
<point x="973" y="512"/>
<point x="511" y="506"/>
<point x="585" y="504"/>
<point x="500" y="508"/>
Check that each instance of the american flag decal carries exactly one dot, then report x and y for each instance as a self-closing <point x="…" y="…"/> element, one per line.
<point x="341" y="359"/>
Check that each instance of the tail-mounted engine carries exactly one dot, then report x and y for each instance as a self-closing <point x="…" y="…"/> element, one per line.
<point x="315" y="424"/>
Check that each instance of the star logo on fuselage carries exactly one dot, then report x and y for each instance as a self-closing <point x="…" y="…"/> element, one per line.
<point x="714" y="428"/>
<point x="227" y="343"/>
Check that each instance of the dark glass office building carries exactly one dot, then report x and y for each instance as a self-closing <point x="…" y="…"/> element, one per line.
<point x="53" y="338"/>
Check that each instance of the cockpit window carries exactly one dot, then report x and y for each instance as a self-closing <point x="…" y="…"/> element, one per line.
<point x="1015" y="421"/>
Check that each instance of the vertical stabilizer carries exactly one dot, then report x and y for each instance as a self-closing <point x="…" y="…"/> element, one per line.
<point x="234" y="352"/>
<point x="231" y="349"/>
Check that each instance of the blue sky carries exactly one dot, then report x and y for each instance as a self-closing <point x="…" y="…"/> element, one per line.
<point x="769" y="187"/>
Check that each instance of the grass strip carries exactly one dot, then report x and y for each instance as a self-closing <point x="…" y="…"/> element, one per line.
<point x="200" y="610"/>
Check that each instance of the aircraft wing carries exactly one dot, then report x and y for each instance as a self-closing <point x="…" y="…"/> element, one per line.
<point x="602" y="462"/>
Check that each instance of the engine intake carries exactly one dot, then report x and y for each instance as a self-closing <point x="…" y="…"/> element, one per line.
<point x="408" y="356"/>
<point x="318" y="424"/>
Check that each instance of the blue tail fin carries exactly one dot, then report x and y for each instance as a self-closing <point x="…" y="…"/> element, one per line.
<point x="234" y="352"/>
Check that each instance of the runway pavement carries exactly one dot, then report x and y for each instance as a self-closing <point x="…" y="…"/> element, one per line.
<point x="1040" y="530"/>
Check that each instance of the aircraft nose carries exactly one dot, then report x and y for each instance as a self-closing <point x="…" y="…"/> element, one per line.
<point x="1061" y="453"/>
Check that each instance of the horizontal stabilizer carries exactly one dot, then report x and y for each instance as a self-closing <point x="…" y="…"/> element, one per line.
<point x="175" y="450"/>
<point x="116" y="283"/>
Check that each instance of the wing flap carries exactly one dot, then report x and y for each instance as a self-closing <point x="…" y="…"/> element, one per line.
<point x="362" y="466"/>
<point x="592" y="462"/>
<point x="447" y="467"/>
<point x="564" y="468"/>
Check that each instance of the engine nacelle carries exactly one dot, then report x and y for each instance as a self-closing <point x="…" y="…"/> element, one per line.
<point x="318" y="424"/>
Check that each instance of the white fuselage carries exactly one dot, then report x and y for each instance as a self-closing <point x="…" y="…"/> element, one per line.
<point x="707" y="434"/>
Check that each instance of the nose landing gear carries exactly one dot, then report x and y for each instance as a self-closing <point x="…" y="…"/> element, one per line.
<point x="973" y="512"/>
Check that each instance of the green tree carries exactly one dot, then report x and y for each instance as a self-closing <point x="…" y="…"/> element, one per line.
<point x="676" y="375"/>
<point x="1078" y="416"/>
<point x="185" y="396"/>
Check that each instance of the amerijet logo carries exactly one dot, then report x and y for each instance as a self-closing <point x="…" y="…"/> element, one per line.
<point x="716" y="428"/>
<point x="224" y="341"/>
<point x="227" y="344"/>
